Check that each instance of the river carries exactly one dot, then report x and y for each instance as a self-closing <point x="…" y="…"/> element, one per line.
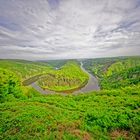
<point x="90" y="86"/>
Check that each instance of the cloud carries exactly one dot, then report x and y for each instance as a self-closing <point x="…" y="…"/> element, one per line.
<point x="54" y="29"/>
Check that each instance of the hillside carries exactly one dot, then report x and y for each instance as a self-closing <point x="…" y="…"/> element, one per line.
<point x="96" y="115"/>
<point x="68" y="77"/>
<point x="117" y="72"/>
<point x="111" y="113"/>
<point x="25" y="69"/>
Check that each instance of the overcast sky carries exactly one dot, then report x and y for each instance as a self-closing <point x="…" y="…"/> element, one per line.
<point x="57" y="29"/>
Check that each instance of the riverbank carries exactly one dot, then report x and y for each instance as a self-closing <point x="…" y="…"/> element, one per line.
<point x="91" y="84"/>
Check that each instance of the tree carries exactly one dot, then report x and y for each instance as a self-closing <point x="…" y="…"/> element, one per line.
<point x="9" y="84"/>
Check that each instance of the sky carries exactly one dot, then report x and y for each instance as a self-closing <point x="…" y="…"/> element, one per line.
<point x="65" y="29"/>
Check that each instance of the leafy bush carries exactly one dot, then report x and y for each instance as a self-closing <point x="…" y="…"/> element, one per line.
<point x="9" y="84"/>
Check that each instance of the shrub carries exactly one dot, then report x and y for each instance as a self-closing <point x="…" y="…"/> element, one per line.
<point x="9" y="84"/>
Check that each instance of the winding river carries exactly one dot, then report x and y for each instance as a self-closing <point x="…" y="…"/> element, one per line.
<point x="92" y="83"/>
<point x="90" y="86"/>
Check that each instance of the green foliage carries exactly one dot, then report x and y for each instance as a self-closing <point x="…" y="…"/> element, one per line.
<point x="25" y="69"/>
<point x="117" y="72"/>
<point x="57" y="63"/>
<point x="101" y="115"/>
<point x="95" y="115"/>
<point x="9" y="84"/>
<point x="69" y="76"/>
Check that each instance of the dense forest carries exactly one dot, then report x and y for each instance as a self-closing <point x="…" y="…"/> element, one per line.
<point x="115" y="73"/>
<point x="111" y="113"/>
<point x="68" y="76"/>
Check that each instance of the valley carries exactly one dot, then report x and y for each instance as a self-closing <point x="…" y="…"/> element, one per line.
<point x="82" y="99"/>
<point x="90" y="84"/>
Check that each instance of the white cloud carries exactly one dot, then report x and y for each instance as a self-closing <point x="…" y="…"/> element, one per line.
<point x="70" y="29"/>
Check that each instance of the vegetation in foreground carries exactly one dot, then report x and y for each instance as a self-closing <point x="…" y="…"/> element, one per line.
<point x="106" y="114"/>
<point x="96" y="115"/>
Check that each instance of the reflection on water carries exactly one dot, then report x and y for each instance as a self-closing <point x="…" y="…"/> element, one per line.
<point x="91" y="85"/>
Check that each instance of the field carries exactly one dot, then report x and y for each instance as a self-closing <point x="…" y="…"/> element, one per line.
<point x="111" y="113"/>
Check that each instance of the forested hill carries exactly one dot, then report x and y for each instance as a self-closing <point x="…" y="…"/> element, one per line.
<point x="116" y="72"/>
<point x="113" y="113"/>
<point x="67" y="77"/>
<point x="25" y="69"/>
